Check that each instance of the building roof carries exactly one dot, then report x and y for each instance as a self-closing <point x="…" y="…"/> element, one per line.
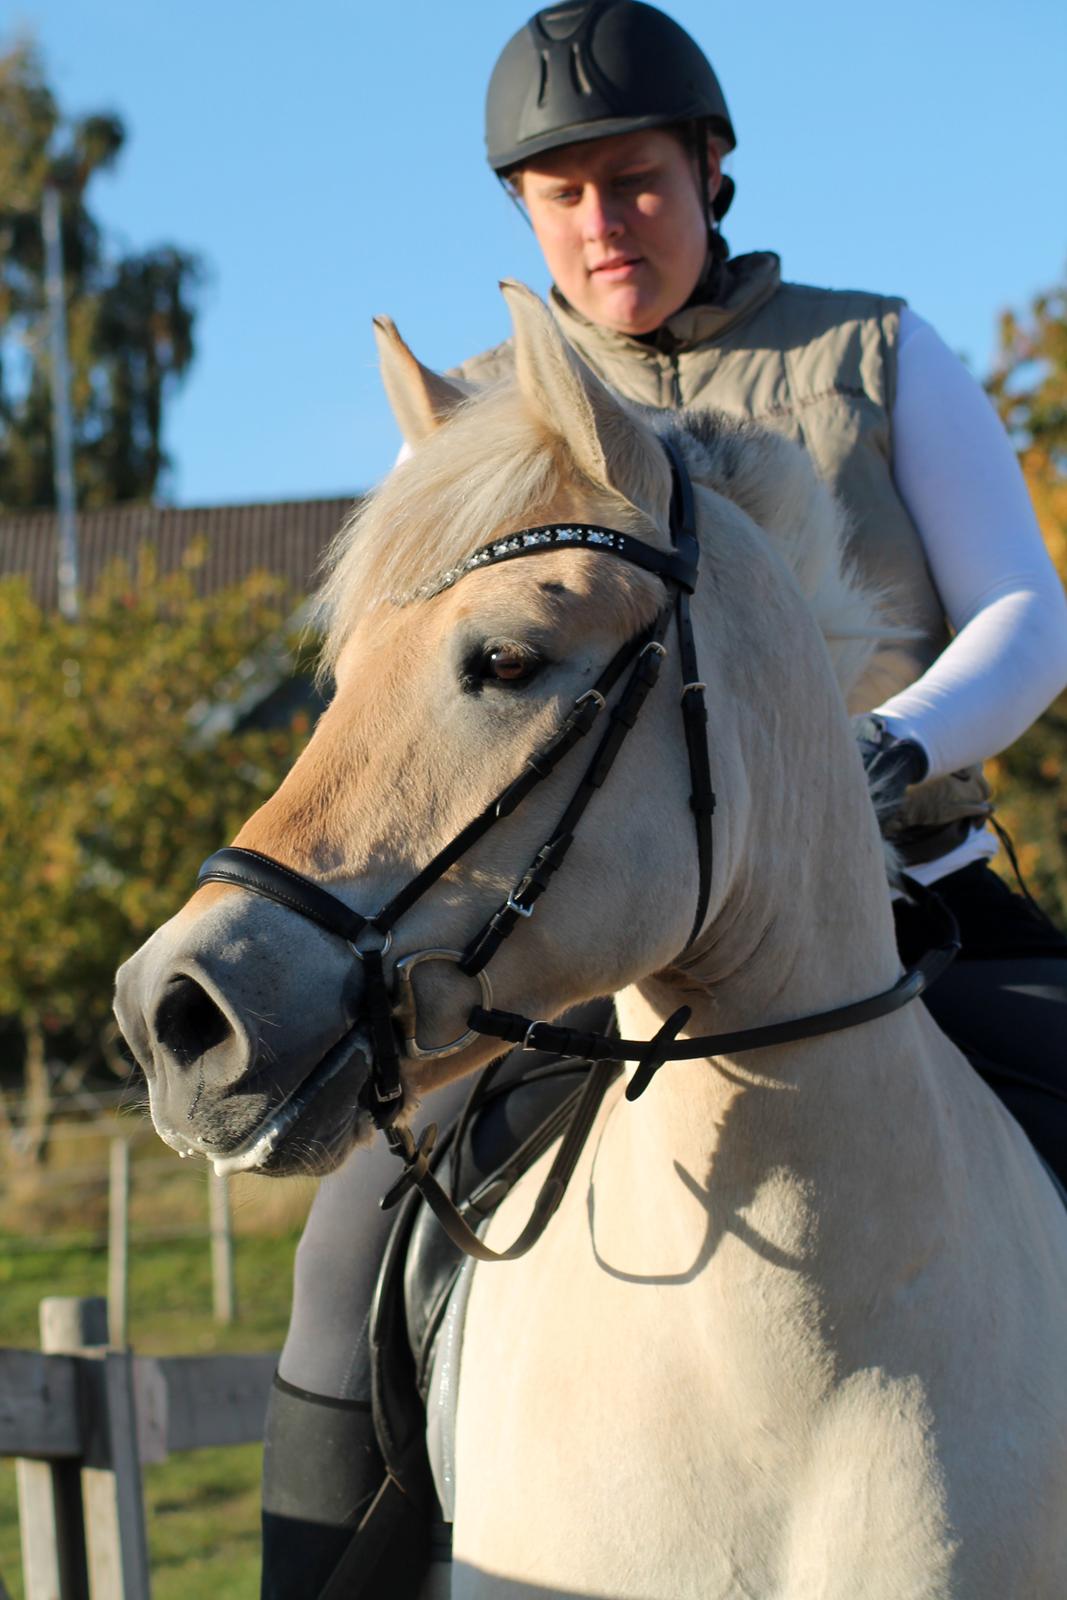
<point x="286" y="538"/>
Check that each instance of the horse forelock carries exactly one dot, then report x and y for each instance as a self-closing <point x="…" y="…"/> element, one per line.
<point x="492" y="468"/>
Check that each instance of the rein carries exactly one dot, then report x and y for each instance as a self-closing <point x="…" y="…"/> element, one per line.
<point x="390" y="1016"/>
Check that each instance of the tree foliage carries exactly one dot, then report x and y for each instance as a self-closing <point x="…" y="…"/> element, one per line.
<point x="110" y="797"/>
<point x="130" y="317"/>
<point x="1029" y="388"/>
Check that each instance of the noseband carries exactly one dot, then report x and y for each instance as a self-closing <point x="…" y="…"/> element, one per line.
<point x="390" y="1016"/>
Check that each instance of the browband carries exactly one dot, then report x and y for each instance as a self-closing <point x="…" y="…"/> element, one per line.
<point x="675" y="566"/>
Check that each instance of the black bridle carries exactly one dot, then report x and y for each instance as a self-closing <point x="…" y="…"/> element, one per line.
<point x="388" y="1013"/>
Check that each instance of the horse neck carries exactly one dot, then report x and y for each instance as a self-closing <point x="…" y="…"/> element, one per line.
<point x="805" y="926"/>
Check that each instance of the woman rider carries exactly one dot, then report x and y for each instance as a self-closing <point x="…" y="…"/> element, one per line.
<point x="609" y="126"/>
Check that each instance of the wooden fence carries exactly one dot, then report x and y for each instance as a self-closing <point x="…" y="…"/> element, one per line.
<point x="82" y="1416"/>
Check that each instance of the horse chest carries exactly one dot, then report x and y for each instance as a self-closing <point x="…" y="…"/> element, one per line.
<point x="676" y="1438"/>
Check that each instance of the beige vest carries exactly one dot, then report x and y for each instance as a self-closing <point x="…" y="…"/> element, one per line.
<point x="818" y="365"/>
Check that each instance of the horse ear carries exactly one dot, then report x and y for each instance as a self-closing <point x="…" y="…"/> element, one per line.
<point x="421" y="399"/>
<point x="609" y="443"/>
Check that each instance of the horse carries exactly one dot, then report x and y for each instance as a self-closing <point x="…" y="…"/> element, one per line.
<point x="796" y="1327"/>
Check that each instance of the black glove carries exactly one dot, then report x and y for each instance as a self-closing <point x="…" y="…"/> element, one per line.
<point x="892" y="766"/>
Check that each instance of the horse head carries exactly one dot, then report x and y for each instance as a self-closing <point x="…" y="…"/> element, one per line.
<point x="454" y="672"/>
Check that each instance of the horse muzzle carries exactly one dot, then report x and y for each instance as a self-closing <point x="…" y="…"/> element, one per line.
<point x="265" y="1077"/>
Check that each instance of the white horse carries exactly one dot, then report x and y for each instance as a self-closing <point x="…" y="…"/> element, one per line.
<point x="797" y="1329"/>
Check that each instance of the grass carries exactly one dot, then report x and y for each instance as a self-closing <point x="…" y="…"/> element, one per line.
<point x="202" y="1508"/>
<point x="203" y="1524"/>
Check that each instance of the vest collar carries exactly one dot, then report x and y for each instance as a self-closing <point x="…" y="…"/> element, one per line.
<point x="748" y="282"/>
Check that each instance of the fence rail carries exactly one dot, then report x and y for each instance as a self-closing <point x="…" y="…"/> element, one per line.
<point x="82" y="1416"/>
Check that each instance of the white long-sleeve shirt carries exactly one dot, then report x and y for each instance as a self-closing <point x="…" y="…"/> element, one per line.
<point x="956" y="472"/>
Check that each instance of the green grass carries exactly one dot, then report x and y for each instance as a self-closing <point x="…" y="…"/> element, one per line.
<point x="169" y="1292"/>
<point x="202" y="1508"/>
<point x="203" y="1525"/>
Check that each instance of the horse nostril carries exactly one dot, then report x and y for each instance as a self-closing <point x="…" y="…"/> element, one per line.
<point x="188" y="1022"/>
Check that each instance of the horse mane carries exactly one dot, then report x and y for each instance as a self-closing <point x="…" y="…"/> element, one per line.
<point x="452" y="484"/>
<point x="774" y="481"/>
<point x="468" y="494"/>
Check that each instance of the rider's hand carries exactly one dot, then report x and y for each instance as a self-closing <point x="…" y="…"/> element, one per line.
<point x="892" y="765"/>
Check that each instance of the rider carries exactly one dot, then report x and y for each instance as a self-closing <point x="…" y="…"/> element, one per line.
<point x="608" y="126"/>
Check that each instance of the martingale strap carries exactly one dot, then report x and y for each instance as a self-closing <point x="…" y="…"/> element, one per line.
<point x="651" y="1054"/>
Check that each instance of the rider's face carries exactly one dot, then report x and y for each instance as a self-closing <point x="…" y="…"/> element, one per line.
<point x="620" y="224"/>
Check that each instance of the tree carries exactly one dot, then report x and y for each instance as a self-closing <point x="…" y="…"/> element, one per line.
<point x="110" y="794"/>
<point x="130" y="318"/>
<point x="1029" y="388"/>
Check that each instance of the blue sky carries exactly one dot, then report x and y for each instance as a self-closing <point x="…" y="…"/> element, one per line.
<point x="326" y="160"/>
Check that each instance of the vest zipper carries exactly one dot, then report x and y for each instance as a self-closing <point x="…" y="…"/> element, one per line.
<point x="676" y="381"/>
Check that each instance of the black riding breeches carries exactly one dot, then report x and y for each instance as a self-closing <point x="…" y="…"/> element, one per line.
<point x="1004" y="1001"/>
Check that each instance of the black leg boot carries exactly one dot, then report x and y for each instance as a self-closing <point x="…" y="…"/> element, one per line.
<point x="335" y="1523"/>
<point x="321" y="1470"/>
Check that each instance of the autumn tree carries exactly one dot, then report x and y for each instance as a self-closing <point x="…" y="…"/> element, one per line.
<point x="130" y="317"/>
<point x="112" y="790"/>
<point x="1029" y="388"/>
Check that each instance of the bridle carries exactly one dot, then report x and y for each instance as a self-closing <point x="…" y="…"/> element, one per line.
<point x="388" y="1013"/>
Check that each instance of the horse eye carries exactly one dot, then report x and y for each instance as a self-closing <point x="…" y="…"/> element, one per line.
<point x="506" y="663"/>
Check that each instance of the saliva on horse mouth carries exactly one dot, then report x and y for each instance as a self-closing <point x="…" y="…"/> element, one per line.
<point x="255" y="1151"/>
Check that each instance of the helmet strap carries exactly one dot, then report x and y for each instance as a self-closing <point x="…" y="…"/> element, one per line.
<point x="506" y="184"/>
<point x="717" y="246"/>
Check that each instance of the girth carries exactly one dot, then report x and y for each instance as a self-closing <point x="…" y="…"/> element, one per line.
<point x="390" y="1012"/>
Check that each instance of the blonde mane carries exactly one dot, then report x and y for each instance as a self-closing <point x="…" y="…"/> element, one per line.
<point x="775" y="483"/>
<point x="494" y="469"/>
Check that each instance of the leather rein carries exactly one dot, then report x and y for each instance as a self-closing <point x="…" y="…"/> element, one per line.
<point x="390" y="1016"/>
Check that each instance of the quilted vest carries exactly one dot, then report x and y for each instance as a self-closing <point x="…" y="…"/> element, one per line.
<point x="818" y="365"/>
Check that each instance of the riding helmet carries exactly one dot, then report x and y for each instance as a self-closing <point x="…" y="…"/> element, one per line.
<point x="586" y="69"/>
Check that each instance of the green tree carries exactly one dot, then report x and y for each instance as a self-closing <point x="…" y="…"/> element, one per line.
<point x="110" y="792"/>
<point x="1029" y="388"/>
<point x="130" y="318"/>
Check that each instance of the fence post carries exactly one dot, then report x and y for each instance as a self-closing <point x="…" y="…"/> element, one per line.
<point x="223" y="1291"/>
<point x="51" y="1521"/>
<point x="118" y="1235"/>
<point x="112" y="1506"/>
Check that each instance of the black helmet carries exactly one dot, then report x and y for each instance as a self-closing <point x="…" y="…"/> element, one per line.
<point x="585" y="69"/>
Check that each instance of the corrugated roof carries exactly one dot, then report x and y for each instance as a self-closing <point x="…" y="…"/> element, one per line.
<point x="287" y="538"/>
